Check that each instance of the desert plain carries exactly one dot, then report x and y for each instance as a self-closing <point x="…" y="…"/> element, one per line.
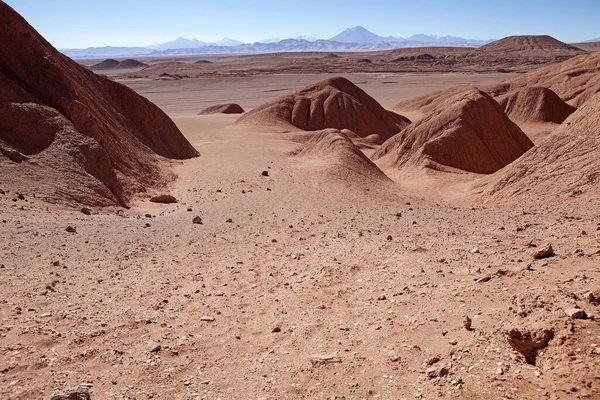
<point x="291" y="267"/>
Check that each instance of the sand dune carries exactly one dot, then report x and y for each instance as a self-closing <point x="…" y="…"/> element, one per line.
<point x="332" y="103"/>
<point x="71" y="136"/>
<point x="229" y="108"/>
<point x="468" y="131"/>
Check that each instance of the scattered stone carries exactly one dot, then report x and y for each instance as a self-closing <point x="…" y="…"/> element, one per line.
<point x="197" y="220"/>
<point x="2" y="192"/>
<point x="121" y="213"/>
<point x="527" y="340"/>
<point x="72" y="393"/>
<point x="499" y="371"/>
<point x="576" y="313"/>
<point x="276" y="330"/>
<point x="154" y="347"/>
<point x="431" y="360"/>
<point x="322" y="359"/>
<point x="437" y="372"/>
<point x="544" y="252"/>
<point x="71" y="229"/>
<point x="475" y="250"/>
<point x="594" y="297"/>
<point x="264" y="173"/>
<point x="163" y="199"/>
<point x="148" y="215"/>
<point x="207" y="319"/>
<point x="453" y="342"/>
<point x="389" y="237"/>
<point x="190" y="209"/>
<point x="86" y="211"/>
<point x="467" y="322"/>
<point x="229" y="220"/>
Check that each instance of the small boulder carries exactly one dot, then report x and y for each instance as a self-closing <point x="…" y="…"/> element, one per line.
<point x="594" y="297"/>
<point x="71" y="229"/>
<point x="86" y="211"/>
<point x="576" y="313"/>
<point x="543" y="252"/>
<point x="527" y="340"/>
<point x="197" y="220"/>
<point x="264" y="173"/>
<point x="154" y="347"/>
<point x="163" y="199"/>
<point x="72" y="393"/>
<point x="467" y="322"/>
<point x="437" y="372"/>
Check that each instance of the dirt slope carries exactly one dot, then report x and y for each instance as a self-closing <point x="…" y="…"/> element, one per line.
<point x="468" y="131"/>
<point x="565" y="164"/>
<point x="333" y="152"/>
<point x="71" y="136"/>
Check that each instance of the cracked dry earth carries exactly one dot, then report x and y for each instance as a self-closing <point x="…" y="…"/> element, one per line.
<point x="316" y="289"/>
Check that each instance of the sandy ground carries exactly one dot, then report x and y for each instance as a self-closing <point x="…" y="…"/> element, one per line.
<point x="190" y="96"/>
<point x="315" y="289"/>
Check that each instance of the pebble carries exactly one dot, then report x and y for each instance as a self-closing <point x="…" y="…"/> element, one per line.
<point x="453" y="342"/>
<point x="207" y="319"/>
<point x="544" y="252"/>
<point x="197" y="220"/>
<point x="86" y="211"/>
<point x="154" y="347"/>
<point x="71" y="229"/>
<point x="467" y="322"/>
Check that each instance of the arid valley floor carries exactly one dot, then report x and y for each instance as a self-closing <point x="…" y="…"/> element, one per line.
<point x="307" y="278"/>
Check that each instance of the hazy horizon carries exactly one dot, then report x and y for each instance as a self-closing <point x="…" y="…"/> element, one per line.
<point x="75" y="24"/>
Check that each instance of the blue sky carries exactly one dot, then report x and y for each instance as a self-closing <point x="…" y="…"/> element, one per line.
<point x="83" y="23"/>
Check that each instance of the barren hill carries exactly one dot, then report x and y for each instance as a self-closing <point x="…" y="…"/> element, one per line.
<point x="110" y="64"/>
<point x="565" y="164"/>
<point x="536" y="104"/>
<point x="531" y="44"/>
<point x="71" y="136"/>
<point x="468" y="131"/>
<point x="332" y="103"/>
<point x="574" y="81"/>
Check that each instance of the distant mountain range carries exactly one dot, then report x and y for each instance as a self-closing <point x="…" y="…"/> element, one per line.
<point x="353" y="39"/>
